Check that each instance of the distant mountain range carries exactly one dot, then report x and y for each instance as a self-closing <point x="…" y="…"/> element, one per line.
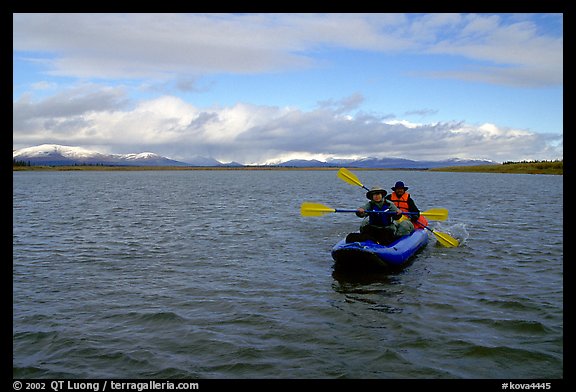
<point x="57" y="155"/>
<point x="386" y="163"/>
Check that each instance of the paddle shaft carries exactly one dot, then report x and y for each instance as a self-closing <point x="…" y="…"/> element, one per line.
<point x="368" y="212"/>
<point x="377" y="212"/>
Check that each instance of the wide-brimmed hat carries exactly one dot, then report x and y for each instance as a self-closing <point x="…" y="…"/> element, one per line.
<point x="399" y="184"/>
<point x="374" y="190"/>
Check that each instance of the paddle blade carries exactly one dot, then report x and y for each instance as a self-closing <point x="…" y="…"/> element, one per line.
<point x="446" y="240"/>
<point x="315" y="209"/>
<point x="438" y="214"/>
<point x="349" y="177"/>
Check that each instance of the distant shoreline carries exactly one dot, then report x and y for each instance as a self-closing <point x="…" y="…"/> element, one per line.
<point x="554" y="168"/>
<point x="160" y="168"/>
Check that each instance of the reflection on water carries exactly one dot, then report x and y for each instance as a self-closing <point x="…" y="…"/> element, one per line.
<point x="345" y="279"/>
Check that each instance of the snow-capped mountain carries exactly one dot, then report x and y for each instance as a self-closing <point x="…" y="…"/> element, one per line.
<point x="386" y="163"/>
<point x="57" y="155"/>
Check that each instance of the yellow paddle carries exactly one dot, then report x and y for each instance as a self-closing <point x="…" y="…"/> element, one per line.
<point x="443" y="238"/>
<point x="349" y="177"/>
<point x="439" y="214"/>
<point x="317" y="209"/>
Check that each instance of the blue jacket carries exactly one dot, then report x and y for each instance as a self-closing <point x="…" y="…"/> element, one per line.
<point x="380" y="220"/>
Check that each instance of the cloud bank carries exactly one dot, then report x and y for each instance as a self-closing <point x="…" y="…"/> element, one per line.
<point x="249" y="134"/>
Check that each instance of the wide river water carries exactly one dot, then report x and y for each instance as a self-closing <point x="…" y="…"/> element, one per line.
<point x="210" y="274"/>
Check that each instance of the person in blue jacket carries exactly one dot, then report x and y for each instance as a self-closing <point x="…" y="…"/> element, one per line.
<point x="383" y="227"/>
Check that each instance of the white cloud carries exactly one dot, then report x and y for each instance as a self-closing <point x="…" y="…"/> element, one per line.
<point x="517" y="54"/>
<point x="176" y="45"/>
<point x="249" y="133"/>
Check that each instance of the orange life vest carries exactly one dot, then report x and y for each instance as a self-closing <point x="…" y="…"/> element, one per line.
<point x="402" y="204"/>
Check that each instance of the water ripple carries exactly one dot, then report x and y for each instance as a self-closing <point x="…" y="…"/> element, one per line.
<point x="205" y="274"/>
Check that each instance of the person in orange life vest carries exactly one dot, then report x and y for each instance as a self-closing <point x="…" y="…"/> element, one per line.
<point x="405" y="203"/>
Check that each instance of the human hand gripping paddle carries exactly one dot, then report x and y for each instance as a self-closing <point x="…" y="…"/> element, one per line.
<point x="443" y="238"/>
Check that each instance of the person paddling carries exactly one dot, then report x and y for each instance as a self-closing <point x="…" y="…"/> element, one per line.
<point x="405" y="203"/>
<point x="382" y="226"/>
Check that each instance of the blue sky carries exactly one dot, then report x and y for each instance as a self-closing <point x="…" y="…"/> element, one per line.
<point x="257" y="88"/>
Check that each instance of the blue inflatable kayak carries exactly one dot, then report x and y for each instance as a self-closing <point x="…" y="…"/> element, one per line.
<point x="368" y="255"/>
